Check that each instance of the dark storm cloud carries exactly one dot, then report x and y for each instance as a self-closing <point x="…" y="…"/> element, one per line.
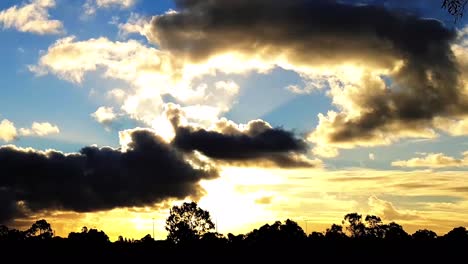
<point x="259" y="145"/>
<point x="150" y="171"/>
<point x="315" y="33"/>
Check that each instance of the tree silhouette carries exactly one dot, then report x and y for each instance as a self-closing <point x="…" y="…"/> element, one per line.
<point x="316" y="236"/>
<point x="187" y="223"/>
<point x="40" y="230"/>
<point x="91" y="236"/>
<point x="454" y="8"/>
<point x="424" y="235"/>
<point x="364" y="240"/>
<point x="457" y="234"/>
<point x="394" y="231"/>
<point x="335" y="232"/>
<point x="354" y="225"/>
<point x="147" y="239"/>
<point x="375" y="228"/>
<point x="289" y="232"/>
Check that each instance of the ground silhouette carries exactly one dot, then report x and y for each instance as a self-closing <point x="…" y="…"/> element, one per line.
<point x="191" y="238"/>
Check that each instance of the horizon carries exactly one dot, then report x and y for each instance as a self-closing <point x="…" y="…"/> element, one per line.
<point x="113" y="111"/>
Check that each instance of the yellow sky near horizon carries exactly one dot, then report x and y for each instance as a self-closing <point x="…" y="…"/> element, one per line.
<point x="243" y="199"/>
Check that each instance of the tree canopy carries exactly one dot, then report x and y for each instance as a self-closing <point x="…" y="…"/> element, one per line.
<point x="187" y="223"/>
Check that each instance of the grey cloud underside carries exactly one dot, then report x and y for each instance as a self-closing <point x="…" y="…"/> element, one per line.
<point x="150" y="171"/>
<point x="274" y="145"/>
<point x="310" y="33"/>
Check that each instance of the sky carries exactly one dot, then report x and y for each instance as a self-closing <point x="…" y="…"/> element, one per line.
<point x="112" y="111"/>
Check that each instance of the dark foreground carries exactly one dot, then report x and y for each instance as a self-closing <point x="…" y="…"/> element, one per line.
<point x="61" y="251"/>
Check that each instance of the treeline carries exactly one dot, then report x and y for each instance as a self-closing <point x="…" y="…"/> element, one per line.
<point x="191" y="232"/>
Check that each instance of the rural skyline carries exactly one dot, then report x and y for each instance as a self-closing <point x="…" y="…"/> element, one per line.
<point x="112" y="111"/>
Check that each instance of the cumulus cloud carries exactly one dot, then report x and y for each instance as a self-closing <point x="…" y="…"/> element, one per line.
<point x="434" y="160"/>
<point x="32" y="17"/>
<point x="256" y="143"/>
<point x="127" y="61"/>
<point x="149" y="72"/>
<point x="8" y="130"/>
<point x="90" y="6"/>
<point x="385" y="85"/>
<point x="387" y="210"/>
<point x="104" y="115"/>
<point x="145" y="172"/>
<point x="40" y="129"/>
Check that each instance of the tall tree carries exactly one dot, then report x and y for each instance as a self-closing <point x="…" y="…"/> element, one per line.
<point x="188" y="222"/>
<point x="41" y="230"/>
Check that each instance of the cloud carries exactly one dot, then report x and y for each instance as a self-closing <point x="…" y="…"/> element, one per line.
<point x="7" y="130"/>
<point x="104" y="115"/>
<point x="264" y="200"/>
<point x="71" y="59"/>
<point x="310" y="85"/>
<point x="434" y="160"/>
<point x="387" y="210"/>
<point x="32" y="17"/>
<point x="127" y="61"/>
<point x="135" y="24"/>
<point x="144" y="172"/>
<point x="91" y="6"/>
<point x="454" y="127"/>
<point x="256" y="143"/>
<point x="386" y="85"/>
<point x="150" y="74"/>
<point x="117" y="94"/>
<point x="40" y="129"/>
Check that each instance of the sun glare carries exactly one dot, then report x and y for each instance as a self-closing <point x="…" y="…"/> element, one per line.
<point x="163" y="128"/>
<point x="232" y="210"/>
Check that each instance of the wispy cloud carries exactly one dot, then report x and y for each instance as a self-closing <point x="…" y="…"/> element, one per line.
<point x="434" y="160"/>
<point x="91" y="6"/>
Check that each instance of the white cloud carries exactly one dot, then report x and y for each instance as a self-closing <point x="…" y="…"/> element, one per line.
<point x="150" y="73"/>
<point x="387" y="210"/>
<point x="7" y="130"/>
<point x="40" y="129"/>
<point x="104" y="115"/>
<point x="117" y="94"/>
<point x="434" y="160"/>
<point x="135" y="24"/>
<point x="91" y="6"/>
<point x="128" y="61"/>
<point x="32" y="17"/>
<point x="310" y="84"/>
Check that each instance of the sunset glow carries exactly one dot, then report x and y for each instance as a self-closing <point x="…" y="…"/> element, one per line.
<point x="111" y="112"/>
